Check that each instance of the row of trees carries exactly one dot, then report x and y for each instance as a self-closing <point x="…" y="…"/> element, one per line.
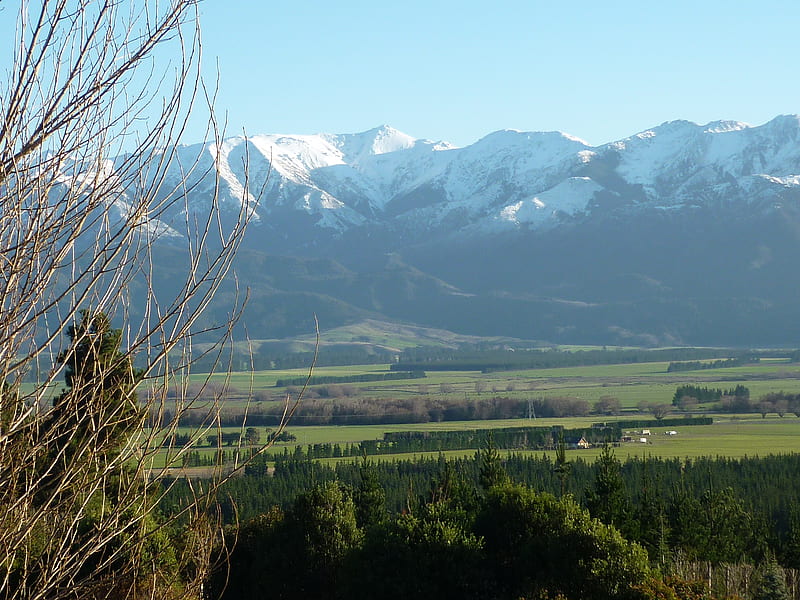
<point x="718" y="510"/>
<point x="366" y="377"/>
<point x="448" y="359"/>
<point x="696" y="365"/>
<point x="705" y="394"/>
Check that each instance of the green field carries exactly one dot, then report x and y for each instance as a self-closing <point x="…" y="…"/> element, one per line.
<point x="730" y="436"/>
<point x="631" y="384"/>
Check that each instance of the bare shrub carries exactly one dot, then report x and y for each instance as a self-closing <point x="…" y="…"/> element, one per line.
<point x="88" y="129"/>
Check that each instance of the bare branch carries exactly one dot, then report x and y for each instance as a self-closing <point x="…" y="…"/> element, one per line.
<point x="89" y="120"/>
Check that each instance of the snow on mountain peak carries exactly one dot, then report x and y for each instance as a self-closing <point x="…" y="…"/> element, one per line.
<point x="724" y="126"/>
<point x="387" y="139"/>
<point x="356" y="147"/>
<point x="508" y="178"/>
<point x="509" y="137"/>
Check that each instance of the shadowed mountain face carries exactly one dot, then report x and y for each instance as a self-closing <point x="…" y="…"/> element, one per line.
<point x="683" y="234"/>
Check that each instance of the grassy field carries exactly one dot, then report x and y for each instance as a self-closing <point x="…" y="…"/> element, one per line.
<point x="729" y="435"/>
<point x="743" y="435"/>
<point x="630" y="383"/>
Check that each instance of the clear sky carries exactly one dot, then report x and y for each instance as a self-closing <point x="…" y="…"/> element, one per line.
<point x="457" y="70"/>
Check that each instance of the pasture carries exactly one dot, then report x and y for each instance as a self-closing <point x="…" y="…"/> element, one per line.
<point x="729" y="436"/>
<point x="631" y="384"/>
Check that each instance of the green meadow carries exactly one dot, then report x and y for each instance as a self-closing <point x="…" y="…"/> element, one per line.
<point x="631" y="384"/>
<point x="729" y="436"/>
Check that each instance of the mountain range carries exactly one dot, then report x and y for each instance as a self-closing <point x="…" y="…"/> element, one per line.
<point x="681" y="234"/>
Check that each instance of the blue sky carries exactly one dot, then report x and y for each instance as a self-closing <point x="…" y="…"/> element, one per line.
<point x="456" y="71"/>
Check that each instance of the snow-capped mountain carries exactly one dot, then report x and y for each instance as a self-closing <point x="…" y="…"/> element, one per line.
<point x="507" y="180"/>
<point x="682" y="233"/>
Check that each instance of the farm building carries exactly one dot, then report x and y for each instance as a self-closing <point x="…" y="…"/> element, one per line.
<point x="576" y="443"/>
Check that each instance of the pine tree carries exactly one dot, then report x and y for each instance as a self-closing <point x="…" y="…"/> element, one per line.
<point x="562" y="467"/>
<point x="771" y="582"/>
<point x="99" y="404"/>
<point x="369" y="497"/>
<point x="491" y="472"/>
<point x="607" y="500"/>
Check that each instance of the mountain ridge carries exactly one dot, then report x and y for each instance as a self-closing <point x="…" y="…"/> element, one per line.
<point x="679" y="234"/>
<point x="506" y="180"/>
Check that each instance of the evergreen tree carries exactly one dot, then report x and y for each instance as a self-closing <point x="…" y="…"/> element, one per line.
<point x="790" y="555"/>
<point x="369" y="497"/>
<point x="538" y="546"/>
<point x="726" y="527"/>
<point x="431" y="553"/>
<point x="770" y="582"/>
<point x="323" y="531"/>
<point x="652" y="529"/>
<point x="607" y="500"/>
<point x="99" y="404"/>
<point x="684" y="515"/>
<point x="562" y="467"/>
<point x="491" y="472"/>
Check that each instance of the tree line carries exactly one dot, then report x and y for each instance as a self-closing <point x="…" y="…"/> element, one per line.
<point x="705" y="394"/>
<point x="508" y="438"/>
<point x="696" y="365"/>
<point x="365" y="377"/>
<point x="507" y="360"/>
<point x="737" y="400"/>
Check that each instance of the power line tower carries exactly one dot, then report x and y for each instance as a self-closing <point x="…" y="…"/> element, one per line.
<point x="531" y="410"/>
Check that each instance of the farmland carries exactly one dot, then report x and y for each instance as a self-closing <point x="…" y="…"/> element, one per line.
<point x="633" y="385"/>
<point x="630" y="383"/>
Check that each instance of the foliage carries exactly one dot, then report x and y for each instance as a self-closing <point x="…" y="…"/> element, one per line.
<point x="99" y="410"/>
<point x="369" y="497"/>
<point x="709" y="509"/>
<point x="607" y="499"/>
<point x="561" y="467"/>
<point x="491" y="472"/>
<point x="323" y="523"/>
<point x="704" y="394"/>
<point x="514" y="542"/>
<point x="696" y="365"/>
<point x="321" y="379"/>
<point x="539" y="543"/>
<point x="427" y="554"/>
<point x="81" y="483"/>
<point x="94" y="98"/>
<point x="297" y="554"/>
<point x="446" y="359"/>
<point x="770" y="582"/>
<point x="672" y="588"/>
<point x="607" y="405"/>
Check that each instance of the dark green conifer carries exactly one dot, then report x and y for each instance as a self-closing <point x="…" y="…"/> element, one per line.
<point x="491" y="472"/>
<point x="770" y="582"/>
<point x="607" y="500"/>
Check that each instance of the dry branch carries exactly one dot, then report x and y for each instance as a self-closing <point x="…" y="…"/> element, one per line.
<point x="89" y="120"/>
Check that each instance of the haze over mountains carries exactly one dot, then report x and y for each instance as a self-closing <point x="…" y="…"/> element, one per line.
<point x="681" y="234"/>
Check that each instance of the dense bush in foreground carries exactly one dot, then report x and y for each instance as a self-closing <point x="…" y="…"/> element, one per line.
<point x="428" y="527"/>
<point x="511" y="542"/>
